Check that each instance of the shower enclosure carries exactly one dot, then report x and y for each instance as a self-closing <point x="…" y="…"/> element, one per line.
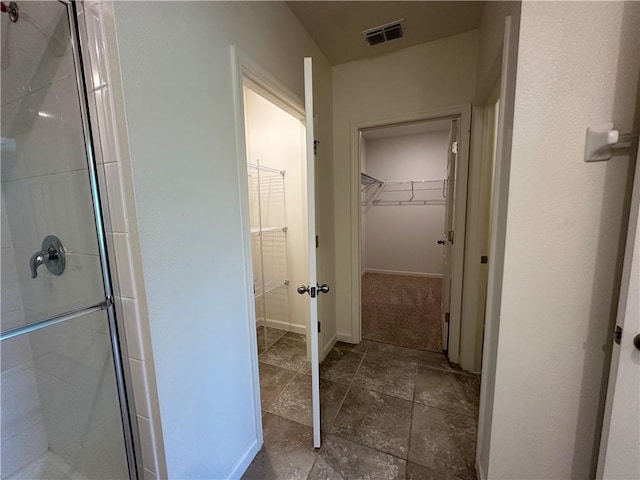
<point x="64" y="405"/>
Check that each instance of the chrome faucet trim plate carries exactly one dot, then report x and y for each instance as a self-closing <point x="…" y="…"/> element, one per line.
<point x="51" y="256"/>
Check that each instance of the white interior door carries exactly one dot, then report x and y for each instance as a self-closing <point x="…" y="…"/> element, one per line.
<point x="313" y="289"/>
<point x="448" y="239"/>
<point x="620" y="445"/>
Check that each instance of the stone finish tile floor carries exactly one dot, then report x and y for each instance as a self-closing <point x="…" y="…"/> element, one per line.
<point x="388" y="412"/>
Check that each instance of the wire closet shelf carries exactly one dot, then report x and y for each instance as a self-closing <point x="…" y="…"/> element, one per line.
<point x="402" y="192"/>
<point x="268" y="229"/>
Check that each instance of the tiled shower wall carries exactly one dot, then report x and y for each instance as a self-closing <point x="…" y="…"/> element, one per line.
<point x="24" y="437"/>
<point x="114" y="171"/>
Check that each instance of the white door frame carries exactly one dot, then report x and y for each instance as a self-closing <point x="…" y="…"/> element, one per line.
<point x="497" y="241"/>
<point x="620" y="427"/>
<point x="483" y="137"/>
<point x="242" y="67"/>
<point x="464" y="113"/>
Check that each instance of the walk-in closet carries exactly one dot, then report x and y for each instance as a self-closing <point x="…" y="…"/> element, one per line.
<point x="275" y="140"/>
<point x="403" y="212"/>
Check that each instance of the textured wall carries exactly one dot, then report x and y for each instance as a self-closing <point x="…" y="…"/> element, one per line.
<point x="435" y="74"/>
<point x="578" y="66"/>
<point x="178" y="94"/>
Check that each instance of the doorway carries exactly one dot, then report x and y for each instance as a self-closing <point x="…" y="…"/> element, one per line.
<point x="403" y="216"/>
<point x="275" y="145"/>
<point x="427" y="245"/>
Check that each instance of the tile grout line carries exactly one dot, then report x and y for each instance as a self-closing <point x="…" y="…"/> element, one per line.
<point x="348" y="388"/>
<point x="265" y="336"/>
<point x="342" y="404"/>
<point x="413" y="406"/>
<point x="447" y="411"/>
<point x="296" y="372"/>
<point x="338" y="411"/>
<point x="372" y="448"/>
<point x="280" y="394"/>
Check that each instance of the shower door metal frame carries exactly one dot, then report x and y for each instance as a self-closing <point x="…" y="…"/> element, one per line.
<point x="107" y="303"/>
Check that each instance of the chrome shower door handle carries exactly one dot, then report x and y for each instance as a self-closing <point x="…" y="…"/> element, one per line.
<point x="51" y="256"/>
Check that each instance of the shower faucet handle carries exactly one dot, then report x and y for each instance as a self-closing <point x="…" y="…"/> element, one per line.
<point x="52" y="256"/>
<point x="36" y="260"/>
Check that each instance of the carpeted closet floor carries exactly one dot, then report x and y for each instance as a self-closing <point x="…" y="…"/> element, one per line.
<point x="402" y="310"/>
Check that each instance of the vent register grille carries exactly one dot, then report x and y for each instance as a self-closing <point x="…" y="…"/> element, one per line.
<point x="384" y="33"/>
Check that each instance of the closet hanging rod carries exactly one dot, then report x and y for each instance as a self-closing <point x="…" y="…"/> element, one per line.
<point x="397" y="203"/>
<point x="411" y="187"/>
<point x="406" y="182"/>
<point x="265" y="169"/>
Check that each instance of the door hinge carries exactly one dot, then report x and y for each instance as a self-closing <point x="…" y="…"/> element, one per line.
<point x="319" y="327"/>
<point x="447" y="316"/>
<point x="617" y="334"/>
<point x="317" y="241"/>
<point x="450" y="236"/>
<point x="454" y="147"/>
<point x="315" y="146"/>
<point x="484" y="259"/>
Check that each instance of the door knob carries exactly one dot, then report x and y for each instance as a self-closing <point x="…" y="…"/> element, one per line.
<point x="636" y="341"/>
<point x="312" y="291"/>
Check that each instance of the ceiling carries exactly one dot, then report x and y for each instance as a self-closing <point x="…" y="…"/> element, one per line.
<point x="337" y="26"/>
<point x="429" y="126"/>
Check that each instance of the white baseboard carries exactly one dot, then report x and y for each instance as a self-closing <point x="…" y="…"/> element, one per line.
<point x="241" y="465"/>
<point x="290" y="327"/>
<point x="404" y="274"/>
<point x="343" y="337"/>
<point x="328" y="346"/>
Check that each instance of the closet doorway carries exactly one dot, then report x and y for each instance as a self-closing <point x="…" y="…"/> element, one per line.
<point x="407" y="232"/>
<point x="278" y="215"/>
<point x="276" y="152"/>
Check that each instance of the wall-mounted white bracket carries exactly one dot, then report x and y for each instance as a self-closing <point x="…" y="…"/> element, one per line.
<point x="602" y="139"/>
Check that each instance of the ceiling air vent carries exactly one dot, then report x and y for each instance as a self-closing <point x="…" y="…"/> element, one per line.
<point x="384" y="33"/>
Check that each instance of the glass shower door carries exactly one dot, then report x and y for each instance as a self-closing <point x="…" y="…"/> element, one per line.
<point x="61" y="415"/>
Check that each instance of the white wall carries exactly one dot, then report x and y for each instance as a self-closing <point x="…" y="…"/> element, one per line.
<point x="276" y="139"/>
<point x="178" y="94"/>
<point x="403" y="238"/>
<point x="578" y="65"/>
<point x="435" y="74"/>
<point x="490" y="38"/>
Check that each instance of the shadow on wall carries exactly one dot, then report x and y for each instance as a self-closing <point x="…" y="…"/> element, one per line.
<point x="611" y="203"/>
